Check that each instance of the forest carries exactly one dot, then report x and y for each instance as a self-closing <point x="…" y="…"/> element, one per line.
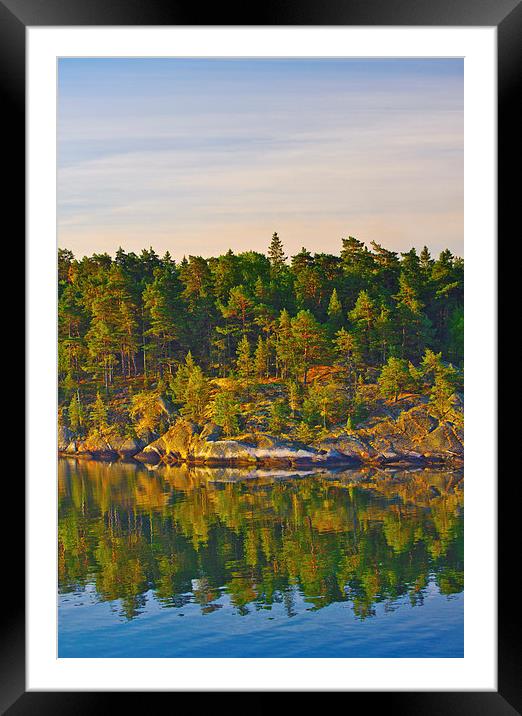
<point x="256" y="342"/>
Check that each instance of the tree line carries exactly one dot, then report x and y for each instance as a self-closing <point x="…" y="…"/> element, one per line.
<point x="375" y="315"/>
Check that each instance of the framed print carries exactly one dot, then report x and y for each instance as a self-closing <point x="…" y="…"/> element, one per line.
<point x="253" y="395"/>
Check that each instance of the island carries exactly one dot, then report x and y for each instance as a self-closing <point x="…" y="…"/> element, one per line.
<point x="251" y="359"/>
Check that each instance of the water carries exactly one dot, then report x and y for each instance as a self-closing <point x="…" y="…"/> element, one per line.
<point x="179" y="562"/>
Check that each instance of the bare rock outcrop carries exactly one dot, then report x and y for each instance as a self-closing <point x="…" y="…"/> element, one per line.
<point x="186" y="442"/>
<point x="413" y="437"/>
<point x="65" y="437"/>
<point x="99" y="448"/>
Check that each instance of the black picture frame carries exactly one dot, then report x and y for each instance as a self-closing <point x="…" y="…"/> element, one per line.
<point x="506" y="16"/>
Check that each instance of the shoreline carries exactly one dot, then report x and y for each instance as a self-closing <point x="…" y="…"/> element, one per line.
<point x="449" y="461"/>
<point x="413" y="439"/>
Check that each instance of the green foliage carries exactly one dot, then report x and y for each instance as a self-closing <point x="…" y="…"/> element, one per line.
<point x="394" y="378"/>
<point x="162" y="303"/>
<point x="139" y="322"/>
<point x="294" y="397"/>
<point x="442" y="398"/>
<point x="178" y="384"/>
<point x="197" y="396"/>
<point x="363" y="318"/>
<point x="414" y="326"/>
<point x="358" y="412"/>
<point x="99" y="416"/>
<point x="416" y="377"/>
<point x="347" y="355"/>
<point x="146" y="411"/>
<point x="324" y="404"/>
<point x="456" y="334"/>
<point x="311" y="411"/>
<point x="279" y="414"/>
<point x="262" y="358"/>
<point x="305" y="433"/>
<point x="75" y="414"/>
<point x="240" y="309"/>
<point x="285" y="348"/>
<point x="191" y="389"/>
<point x="432" y="366"/>
<point x="335" y="313"/>
<point x="276" y="255"/>
<point x="308" y="341"/>
<point x="226" y="412"/>
<point x="244" y="359"/>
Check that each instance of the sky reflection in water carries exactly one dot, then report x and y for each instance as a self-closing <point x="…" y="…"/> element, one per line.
<point x="180" y="562"/>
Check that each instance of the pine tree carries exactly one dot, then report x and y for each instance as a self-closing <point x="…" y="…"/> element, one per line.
<point x="305" y="433"/>
<point x="363" y="317"/>
<point x="244" y="359"/>
<point x="325" y="403"/>
<point x="387" y="267"/>
<point x="358" y="267"/>
<point x="276" y="255"/>
<point x="302" y="260"/>
<point x="163" y="306"/>
<point x="225" y="412"/>
<point x="261" y="358"/>
<point x="102" y="336"/>
<point x="285" y="348"/>
<point x="384" y="333"/>
<point x="414" y="325"/>
<point x="311" y="410"/>
<point x="432" y="366"/>
<point x="65" y="261"/>
<point x="348" y="355"/>
<point x="261" y="292"/>
<point x="394" y="378"/>
<point x="240" y="309"/>
<point x="309" y="340"/>
<point x="197" y="396"/>
<point x="425" y="261"/>
<point x="147" y="411"/>
<point x="198" y="297"/>
<point x="355" y="255"/>
<point x="179" y="383"/>
<point x="236" y="311"/>
<point x="335" y="313"/>
<point x="99" y="415"/>
<point x="294" y="395"/>
<point x="279" y="413"/>
<point x="309" y="282"/>
<point x="442" y="398"/>
<point x="75" y="413"/>
<point x="226" y="274"/>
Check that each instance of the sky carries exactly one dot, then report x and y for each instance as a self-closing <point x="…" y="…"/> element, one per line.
<point x="196" y="156"/>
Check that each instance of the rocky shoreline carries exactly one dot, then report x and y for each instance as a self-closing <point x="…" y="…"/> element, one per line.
<point x="414" y="438"/>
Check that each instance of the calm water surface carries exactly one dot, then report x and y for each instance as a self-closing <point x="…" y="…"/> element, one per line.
<point x="178" y="562"/>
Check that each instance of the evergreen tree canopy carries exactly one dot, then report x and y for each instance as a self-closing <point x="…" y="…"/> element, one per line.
<point x="136" y="326"/>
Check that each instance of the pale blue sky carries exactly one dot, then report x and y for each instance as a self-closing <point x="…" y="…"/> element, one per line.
<point x="196" y="156"/>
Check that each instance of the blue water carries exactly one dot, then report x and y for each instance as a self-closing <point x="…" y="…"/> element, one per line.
<point x="89" y="628"/>
<point x="177" y="565"/>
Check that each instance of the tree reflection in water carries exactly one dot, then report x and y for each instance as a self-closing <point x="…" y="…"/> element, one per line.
<point x="191" y="534"/>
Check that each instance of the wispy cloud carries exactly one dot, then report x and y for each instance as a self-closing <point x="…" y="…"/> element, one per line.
<point x="204" y="158"/>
